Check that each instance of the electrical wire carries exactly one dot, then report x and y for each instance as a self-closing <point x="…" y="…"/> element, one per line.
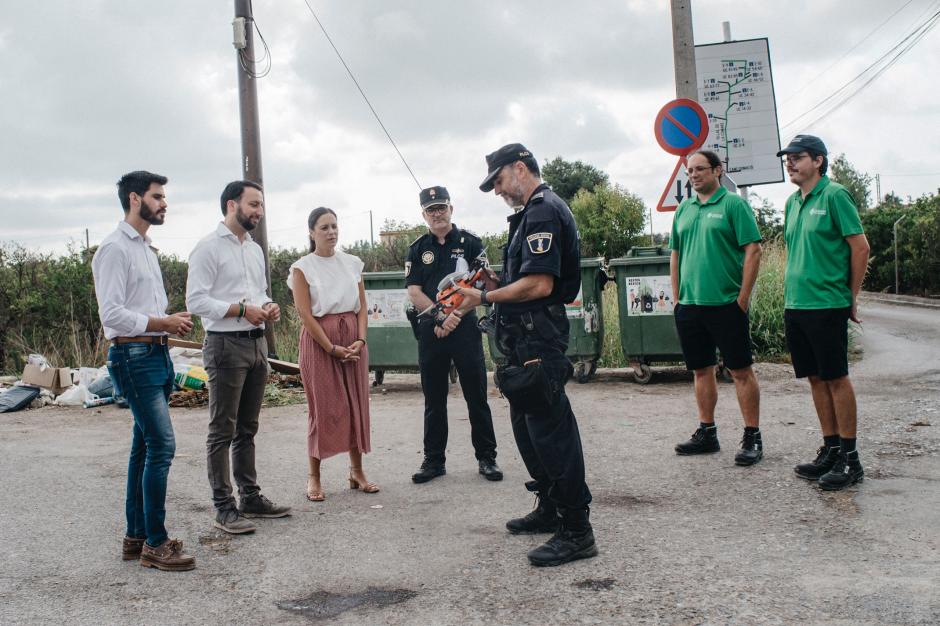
<point x="899" y="50"/>
<point x="847" y="53"/>
<point x="248" y="64"/>
<point x="362" y="93"/>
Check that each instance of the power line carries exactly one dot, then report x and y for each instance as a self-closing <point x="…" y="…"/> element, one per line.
<point x="900" y="49"/>
<point x="845" y="54"/>
<point x="362" y="93"/>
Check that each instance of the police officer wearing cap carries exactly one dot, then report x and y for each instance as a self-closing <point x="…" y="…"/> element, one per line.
<point x="541" y="273"/>
<point x="443" y="340"/>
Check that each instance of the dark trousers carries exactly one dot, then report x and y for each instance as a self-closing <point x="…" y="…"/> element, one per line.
<point x="143" y="374"/>
<point x="238" y="373"/>
<point x="463" y="347"/>
<point x="548" y="440"/>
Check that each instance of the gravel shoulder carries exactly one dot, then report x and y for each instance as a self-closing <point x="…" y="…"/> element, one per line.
<point x="682" y="540"/>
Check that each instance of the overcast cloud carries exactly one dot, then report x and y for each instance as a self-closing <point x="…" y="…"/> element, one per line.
<point x="96" y="88"/>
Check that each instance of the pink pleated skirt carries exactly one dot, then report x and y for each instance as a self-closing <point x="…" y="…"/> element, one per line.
<point x="337" y="393"/>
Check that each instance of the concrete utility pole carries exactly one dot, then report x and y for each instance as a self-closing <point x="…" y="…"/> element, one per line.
<point x="897" y="281"/>
<point x="243" y="31"/>
<point x="683" y="49"/>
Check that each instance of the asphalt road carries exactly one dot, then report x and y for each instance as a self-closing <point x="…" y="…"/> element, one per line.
<point x="683" y="540"/>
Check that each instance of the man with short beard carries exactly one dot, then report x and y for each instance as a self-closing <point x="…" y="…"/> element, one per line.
<point x="226" y="287"/>
<point x="132" y="306"/>
<point x="541" y="272"/>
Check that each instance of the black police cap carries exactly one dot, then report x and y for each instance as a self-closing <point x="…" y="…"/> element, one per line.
<point x="433" y="195"/>
<point x="495" y="161"/>
<point x="805" y="143"/>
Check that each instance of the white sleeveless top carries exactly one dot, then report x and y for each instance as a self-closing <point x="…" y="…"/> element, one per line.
<point x="333" y="281"/>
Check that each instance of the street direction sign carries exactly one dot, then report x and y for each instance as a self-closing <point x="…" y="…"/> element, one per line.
<point x="677" y="189"/>
<point x="681" y="127"/>
<point x="735" y="86"/>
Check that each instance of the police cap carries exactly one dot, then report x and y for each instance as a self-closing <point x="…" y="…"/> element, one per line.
<point x="495" y="161"/>
<point x="433" y="196"/>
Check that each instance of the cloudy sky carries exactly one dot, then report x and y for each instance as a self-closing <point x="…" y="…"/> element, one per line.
<point x="96" y="88"/>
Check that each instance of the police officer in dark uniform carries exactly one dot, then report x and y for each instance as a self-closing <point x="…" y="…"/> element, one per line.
<point x="443" y="250"/>
<point x="541" y="273"/>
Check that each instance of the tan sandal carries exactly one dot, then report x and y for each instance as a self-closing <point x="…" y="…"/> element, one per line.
<point x="367" y="487"/>
<point x="315" y="496"/>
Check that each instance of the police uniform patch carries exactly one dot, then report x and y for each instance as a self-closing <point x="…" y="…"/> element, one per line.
<point x="539" y="243"/>
<point x="427" y="257"/>
<point x="407" y="268"/>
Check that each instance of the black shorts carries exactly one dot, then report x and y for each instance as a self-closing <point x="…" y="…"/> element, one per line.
<point x="704" y="328"/>
<point x="818" y="341"/>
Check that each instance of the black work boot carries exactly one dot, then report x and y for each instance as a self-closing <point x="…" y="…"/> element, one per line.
<point x="489" y="469"/>
<point x="846" y="471"/>
<point x="543" y="519"/>
<point x="752" y="448"/>
<point x="825" y="459"/>
<point x="703" y="441"/>
<point x="430" y="470"/>
<point x="573" y="540"/>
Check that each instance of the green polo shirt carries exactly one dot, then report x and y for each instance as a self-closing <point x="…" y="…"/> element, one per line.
<point x="818" y="256"/>
<point x="710" y="239"/>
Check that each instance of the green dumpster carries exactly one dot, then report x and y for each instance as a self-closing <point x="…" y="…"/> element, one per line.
<point x="586" y="316"/>
<point x="644" y="295"/>
<point x="392" y="344"/>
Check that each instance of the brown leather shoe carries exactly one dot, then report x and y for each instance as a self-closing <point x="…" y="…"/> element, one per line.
<point x="168" y="556"/>
<point x="131" y="547"/>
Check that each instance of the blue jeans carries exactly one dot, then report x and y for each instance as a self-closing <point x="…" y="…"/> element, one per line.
<point x="144" y="374"/>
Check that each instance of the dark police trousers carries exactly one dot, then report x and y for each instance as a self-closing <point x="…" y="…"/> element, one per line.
<point x="464" y="347"/>
<point x="548" y="438"/>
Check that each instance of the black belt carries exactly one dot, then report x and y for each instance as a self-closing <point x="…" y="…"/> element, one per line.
<point x="255" y="333"/>
<point x="556" y="310"/>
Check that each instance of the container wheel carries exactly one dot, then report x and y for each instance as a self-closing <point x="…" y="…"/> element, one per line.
<point x="643" y="374"/>
<point x="453" y="374"/>
<point x="723" y="373"/>
<point x="583" y="371"/>
<point x="379" y="378"/>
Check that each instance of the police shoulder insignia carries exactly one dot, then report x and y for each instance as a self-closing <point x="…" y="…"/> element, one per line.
<point x="539" y="243"/>
<point x="427" y="257"/>
<point x="407" y="268"/>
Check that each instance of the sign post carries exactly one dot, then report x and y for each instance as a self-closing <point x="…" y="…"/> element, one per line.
<point x="681" y="128"/>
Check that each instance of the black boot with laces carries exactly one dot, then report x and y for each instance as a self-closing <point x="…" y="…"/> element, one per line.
<point x="752" y="448"/>
<point x="703" y="441"/>
<point x="543" y="519"/>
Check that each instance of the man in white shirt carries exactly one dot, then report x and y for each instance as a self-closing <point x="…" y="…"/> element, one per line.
<point x="132" y="306"/>
<point x="226" y="287"/>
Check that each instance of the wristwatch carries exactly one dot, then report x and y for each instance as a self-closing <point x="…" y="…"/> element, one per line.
<point x="483" y="299"/>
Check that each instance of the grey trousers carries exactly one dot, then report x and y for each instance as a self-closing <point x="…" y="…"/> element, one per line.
<point x="238" y="372"/>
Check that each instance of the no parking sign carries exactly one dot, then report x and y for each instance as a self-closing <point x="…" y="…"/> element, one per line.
<point x="681" y="128"/>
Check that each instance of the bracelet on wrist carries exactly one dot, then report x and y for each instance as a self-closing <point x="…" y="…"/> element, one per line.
<point x="483" y="299"/>
<point x="241" y="310"/>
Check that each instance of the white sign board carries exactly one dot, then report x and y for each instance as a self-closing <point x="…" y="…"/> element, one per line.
<point x="737" y="92"/>
<point x="386" y="307"/>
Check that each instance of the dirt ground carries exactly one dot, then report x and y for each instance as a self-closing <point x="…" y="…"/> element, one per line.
<point x="682" y="540"/>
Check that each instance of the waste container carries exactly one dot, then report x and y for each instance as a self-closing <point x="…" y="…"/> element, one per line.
<point x="644" y="295"/>
<point x="392" y="344"/>
<point x="586" y="317"/>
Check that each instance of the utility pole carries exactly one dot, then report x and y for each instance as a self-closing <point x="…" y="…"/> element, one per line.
<point x="371" y="232"/>
<point x="244" y="42"/>
<point x="897" y="283"/>
<point x="683" y="50"/>
<point x="878" y="187"/>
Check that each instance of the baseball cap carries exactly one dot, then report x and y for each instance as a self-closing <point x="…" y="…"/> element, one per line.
<point x="510" y="153"/>
<point x="805" y="143"/>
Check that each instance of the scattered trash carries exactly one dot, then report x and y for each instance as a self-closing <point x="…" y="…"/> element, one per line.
<point x="191" y="377"/>
<point x="17" y="398"/>
<point x="88" y="404"/>
<point x="75" y="395"/>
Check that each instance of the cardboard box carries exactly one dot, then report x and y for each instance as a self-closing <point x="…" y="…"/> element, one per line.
<point x="55" y="379"/>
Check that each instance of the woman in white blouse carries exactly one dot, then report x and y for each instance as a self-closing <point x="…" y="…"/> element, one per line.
<point x="334" y="361"/>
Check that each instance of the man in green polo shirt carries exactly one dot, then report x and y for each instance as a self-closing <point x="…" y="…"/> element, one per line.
<point x="827" y="255"/>
<point x="715" y="257"/>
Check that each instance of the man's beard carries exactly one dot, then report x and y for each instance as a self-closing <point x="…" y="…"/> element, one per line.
<point x="243" y="220"/>
<point x="151" y="216"/>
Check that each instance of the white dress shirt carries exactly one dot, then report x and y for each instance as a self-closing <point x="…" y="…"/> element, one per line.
<point x="225" y="271"/>
<point x="128" y="283"/>
<point x="333" y="282"/>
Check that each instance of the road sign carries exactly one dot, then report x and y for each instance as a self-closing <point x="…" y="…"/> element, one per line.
<point x="681" y="127"/>
<point x="677" y="189"/>
<point x="736" y="89"/>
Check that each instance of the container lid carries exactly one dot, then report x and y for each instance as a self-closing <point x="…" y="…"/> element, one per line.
<point x="643" y="255"/>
